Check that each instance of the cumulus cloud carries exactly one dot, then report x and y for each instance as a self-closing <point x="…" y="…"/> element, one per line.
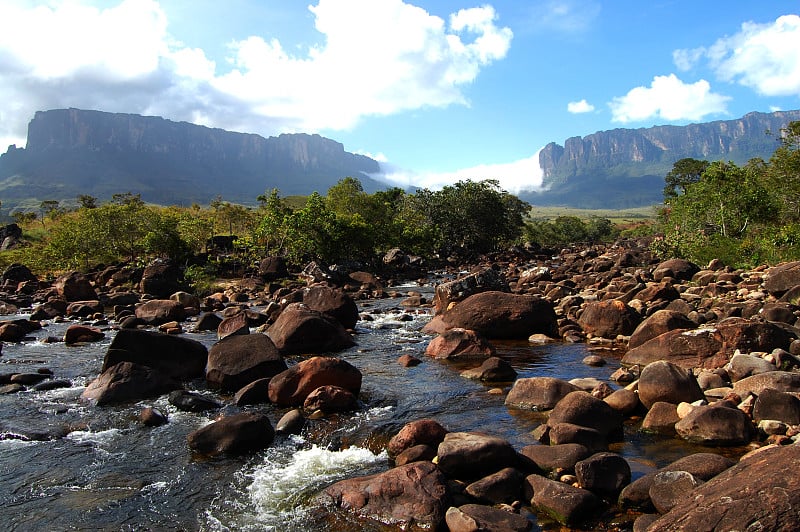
<point x="514" y="177"/>
<point x="376" y="57"/>
<point x="764" y="57"/>
<point x="580" y="107"/>
<point x="668" y="98"/>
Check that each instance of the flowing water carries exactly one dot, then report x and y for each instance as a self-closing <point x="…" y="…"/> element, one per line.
<point x="66" y="465"/>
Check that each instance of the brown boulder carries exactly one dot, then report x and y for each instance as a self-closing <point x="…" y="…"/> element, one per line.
<point x="333" y="302"/>
<point x="564" y="503"/>
<point x="239" y="360"/>
<point x="608" y="319"/>
<point x="782" y="278"/>
<point x="603" y="473"/>
<point x="300" y="330"/>
<point x="661" y="418"/>
<point x="291" y="387"/>
<point x="716" y="425"/>
<point x="504" y="486"/>
<point x="74" y="286"/>
<point x="556" y="457"/>
<point x="233" y="325"/>
<point x="485" y="280"/>
<point x="471" y="455"/>
<point x="457" y="343"/>
<point x="128" y="382"/>
<point x="82" y="333"/>
<point x="161" y="278"/>
<point x="658" y="323"/>
<point x="698" y="348"/>
<point x="159" y="311"/>
<point x="175" y="356"/>
<point x="330" y="399"/>
<point x="681" y="269"/>
<point x="580" y="408"/>
<point x="501" y="315"/>
<point x="668" y="382"/>
<point x="420" y="432"/>
<point x="413" y="495"/>
<point x="538" y="393"/>
<point x="756" y="493"/>
<point x="782" y="381"/>
<point x="272" y="268"/>
<point x="781" y="406"/>
<point x="236" y="434"/>
<point x="476" y="517"/>
<point x="493" y="369"/>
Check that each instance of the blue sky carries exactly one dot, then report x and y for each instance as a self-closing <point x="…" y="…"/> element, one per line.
<point x="436" y="90"/>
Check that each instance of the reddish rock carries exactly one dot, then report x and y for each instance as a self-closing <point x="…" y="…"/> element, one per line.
<point x="452" y="292"/>
<point x="550" y="458"/>
<point x="236" y="434"/>
<point x="782" y="381"/>
<point x="698" y="348"/>
<point x="128" y="382"/>
<point x="661" y="418"/>
<point x="756" y="490"/>
<point x="668" y="382"/>
<point x="408" y="361"/>
<point x="580" y="408"/>
<point x="680" y="269"/>
<point x="564" y="503"/>
<point x="161" y="278"/>
<point x="500" y="315"/>
<point x="471" y="455"/>
<point x="504" y="486"/>
<point x="300" y="330"/>
<point x="459" y="343"/>
<point x="421" y="432"/>
<point x="413" y="495"/>
<point x="74" y="286"/>
<point x="603" y="473"/>
<point x="333" y="302"/>
<point x="608" y="319"/>
<point x="538" y="393"/>
<point x="291" y="387"/>
<point x="476" y="517"/>
<point x="493" y="369"/>
<point x="252" y="394"/>
<point x="781" y="278"/>
<point x="330" y="399"/>
<point x="239" y="360"/>
<point x="716" y="425"/>
<point x="658" y="291"/>
<point x="82" y="333"/>
<point x="658" y="323"/>
<point x="233" y="325"/>
<point x="158" y="311"/>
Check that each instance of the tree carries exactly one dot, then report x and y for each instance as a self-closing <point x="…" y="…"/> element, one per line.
<point x="49" y="208"/>
<point x="684" y="172"/>
<point x="85" y="201"/>
<point x="784" y="172"/>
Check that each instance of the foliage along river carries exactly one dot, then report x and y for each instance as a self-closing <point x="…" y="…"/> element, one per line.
<point x="109" y="472"/>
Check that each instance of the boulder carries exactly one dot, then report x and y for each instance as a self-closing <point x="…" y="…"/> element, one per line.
<point x="413" y="495"/>
<point x="292" y="422"/>
<point x="175" y="356"/>
<point x="680" y="269"/>
<point x="550" y="458"/>
<point x="670" y="487"/>
<point x="538" y="393"/>
<point x="624" y="401"/>
<point x="236" y="434"/>
<point x="658" y="323"/>
<point x="238" y="360"/>
<point x="272" y="268"/>
<point x="782" y="381"/>
<point x="333" y="302"/>
<point x="159" y="311"/>
<point x="603" y="473"/>
<point x="82" y="333"/>
<point x="458" y="343"/>
<point x="16" y="273"/>
<point x="127" y="382"/>
<point x="500" y="315"/>
<point x="493" y="369"/>
<point x="742" y="366"/>
<point x="300" y="330"/>
<point x="661" y="418"/>
<point x="452" y="292"/>
<point x="698" y="348"/>
<point x="186" y="299"/>
<point x="608" y="319"/>
<point x="781" y="278"/>
<point x="754" y="494"/>
<point x="208" y="321"/>
<point x="192" y="401"/>
<point x="417" y="453"/>
<point x="420" y="432"/>
<point x="564" y="503"/>
<point x="74" y="286"/>
<point x="749" y="335"/>
<point x="330" y="399"/>
<point x="233" y="325"/>
<point x="504" y="486"/>
<point x="253" y="393"/>
<point x="161" y="278"/>
<point x="668" y="382"/>
<point x="658" y="291"/>
<point x="780" y="406"/>
<point x="84" y="309"/>
<point x="716" y="425"/>
<point x="292" y="386"/>
<point x="476" y="517"/>
<point x="560" y="433"/>
<point x="580" y="408"/>
<point x="472" y="455"/>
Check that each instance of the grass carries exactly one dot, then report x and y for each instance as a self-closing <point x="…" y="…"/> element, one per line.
<point x="617" y="217"/>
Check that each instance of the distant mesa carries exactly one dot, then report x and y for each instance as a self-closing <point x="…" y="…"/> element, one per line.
<point x="72" y="151"/>
<point x="625" y="168"/>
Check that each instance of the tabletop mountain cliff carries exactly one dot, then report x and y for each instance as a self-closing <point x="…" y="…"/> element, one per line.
<point x="72" y="151"/>
<point x="624" y="168"/>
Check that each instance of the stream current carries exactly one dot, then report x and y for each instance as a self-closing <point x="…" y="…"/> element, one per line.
<point x="68" y="465"/>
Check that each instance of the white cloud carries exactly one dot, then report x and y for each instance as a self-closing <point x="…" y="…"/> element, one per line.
<point x="668" y="98"/>
<point x="580" y="107"/>
<point x="764" y="57"/>
<point x="377" y="57"/>
<point x="514" y="177"/>
<point x="566" y="16"/>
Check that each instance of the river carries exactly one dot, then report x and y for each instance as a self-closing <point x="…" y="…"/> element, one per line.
<point x="99" y="468"/>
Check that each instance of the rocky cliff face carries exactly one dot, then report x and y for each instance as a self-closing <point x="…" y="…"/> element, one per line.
<point x="626" y="167"/>
<point x="72" y="151"/>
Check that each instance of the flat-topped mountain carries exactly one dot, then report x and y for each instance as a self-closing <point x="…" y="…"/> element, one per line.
<point x="626" y="167"/>
<point x="72" y="151"/>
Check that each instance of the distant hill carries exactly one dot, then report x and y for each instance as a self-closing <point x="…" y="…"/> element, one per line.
<point x="625" y="168"/>
<point x="72" y="151"/>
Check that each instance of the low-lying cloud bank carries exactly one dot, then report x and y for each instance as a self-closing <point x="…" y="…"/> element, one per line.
<point x="524" y="175"/>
